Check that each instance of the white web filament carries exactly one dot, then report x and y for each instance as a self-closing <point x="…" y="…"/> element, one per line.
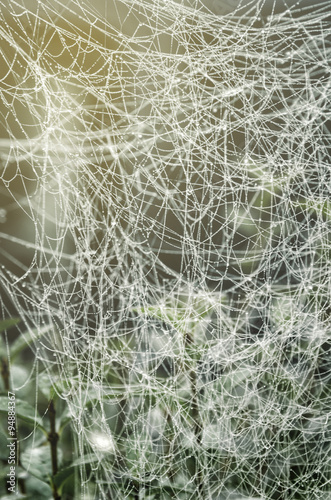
<point x="171" y="171"/>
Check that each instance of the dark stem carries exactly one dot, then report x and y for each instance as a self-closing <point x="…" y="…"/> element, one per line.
<point x="171" y="445"/>
<point x="5" y="373"/>
<point x="53" y="439"/>
<point x="197" y="425"/>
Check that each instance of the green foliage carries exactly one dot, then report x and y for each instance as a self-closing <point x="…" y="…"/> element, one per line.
<point x="24" y="411"/>
<point x="8" y="323"/>
<point x="34" y="469"/>
<point x="27" y="338"/>
<point x="279" y="387"/>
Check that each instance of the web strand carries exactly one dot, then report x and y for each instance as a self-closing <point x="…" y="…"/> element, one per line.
<point x="171" y="172"/>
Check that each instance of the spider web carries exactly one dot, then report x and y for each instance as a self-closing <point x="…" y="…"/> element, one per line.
<point x="165" y="185"/>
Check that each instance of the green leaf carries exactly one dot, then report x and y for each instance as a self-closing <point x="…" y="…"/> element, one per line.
<point x="45" y="385"/>
<point x="167" y="314"/>
<point x="62" y="476"/>
<point x="8" y="323"/>
<point x="24" y="411"/>
<point x="65" y="419"/>
<point x="19" y="375"/>
<point x="85" y="459"/>
<point x="183" y="314"/>
<point x="37" y="461"/>
<point x="37" y="489"/>
<point x="27" y="338"/>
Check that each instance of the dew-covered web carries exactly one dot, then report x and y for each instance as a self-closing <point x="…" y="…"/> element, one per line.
<point x="165" y="190"/>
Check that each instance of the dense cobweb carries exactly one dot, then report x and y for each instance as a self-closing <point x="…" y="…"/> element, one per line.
<point x="169" y="167"/>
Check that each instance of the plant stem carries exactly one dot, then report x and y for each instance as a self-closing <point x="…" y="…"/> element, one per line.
<point x="197" y="425"/>
<point x="5" y="373"/>
<point x="53" y="439"/>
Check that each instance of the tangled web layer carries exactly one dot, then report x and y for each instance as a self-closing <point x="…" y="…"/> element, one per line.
<point x="171" y="169"/>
